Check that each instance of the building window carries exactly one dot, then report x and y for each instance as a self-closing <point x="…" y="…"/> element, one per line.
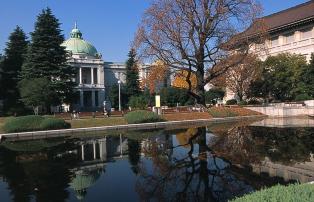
<point x="289" y="38"/>
<point x="307" y="33"/>
<point x="275" y="41"/>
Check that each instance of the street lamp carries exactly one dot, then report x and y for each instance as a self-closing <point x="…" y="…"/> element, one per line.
<point x="119" y="83"/>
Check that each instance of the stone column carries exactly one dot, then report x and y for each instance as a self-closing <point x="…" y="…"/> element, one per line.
<point x="82" y="149"/>
<point x="121" y="150"/>
<point x="81" y="98"/>
<point x="93" y="98"/>
<point x="92" y="75"/>
<point x="103" y="149"/>
<point x="94" y="150"/>
<point x="80" y="77"/>
<point x="98" y="76"/>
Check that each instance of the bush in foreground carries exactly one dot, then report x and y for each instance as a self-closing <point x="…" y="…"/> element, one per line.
<point x="54" y="124"/>
<point x="142" y="116"/>
<point x="33" y="123"/>
<point x="294" y="192"/>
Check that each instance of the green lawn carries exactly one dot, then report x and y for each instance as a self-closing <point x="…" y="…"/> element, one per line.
<point x="85" y="123"/>
<point x="293" y="192"/>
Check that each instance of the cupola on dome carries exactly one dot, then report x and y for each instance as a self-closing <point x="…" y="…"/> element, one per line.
<point x="76" y="44"/>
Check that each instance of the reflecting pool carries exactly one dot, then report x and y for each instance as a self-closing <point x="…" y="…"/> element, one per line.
<point x="213" y="163"/>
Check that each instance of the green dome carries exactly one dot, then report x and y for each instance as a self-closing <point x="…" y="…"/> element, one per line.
<point x="83" y="180"/>
<point x="76" y="44"/>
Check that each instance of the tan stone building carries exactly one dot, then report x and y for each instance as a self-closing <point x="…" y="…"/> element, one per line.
<point x="288" y="31"/>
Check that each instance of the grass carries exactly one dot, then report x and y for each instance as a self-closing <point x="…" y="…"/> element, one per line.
<point x="186" y="116"/>
<point x="294" y="192"/>
<point x="97" y="122"/>
<point x="221" y="112"/>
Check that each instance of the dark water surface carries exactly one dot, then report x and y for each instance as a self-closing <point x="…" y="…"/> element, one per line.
<point x="214" y="163"/>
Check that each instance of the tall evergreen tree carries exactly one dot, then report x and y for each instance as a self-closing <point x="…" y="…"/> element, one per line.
<point x="10" y="69"/>
<point x="47" y="59"/>
<point x="132" y="77"/>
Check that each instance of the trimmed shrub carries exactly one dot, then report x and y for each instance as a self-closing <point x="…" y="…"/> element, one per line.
<point x="54" y="124"/>
<point x="22" y="124"/>
<point x="254" y="102"/>
<point x="231" y="102"/>
<point x="294" y="192"/>
<point x="142" y="116"/>
<point x="33" y="123"/>
<point x="243" y="102"/>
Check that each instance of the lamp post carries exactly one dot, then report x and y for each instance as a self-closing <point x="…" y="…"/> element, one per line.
<point x="119" y="83"/>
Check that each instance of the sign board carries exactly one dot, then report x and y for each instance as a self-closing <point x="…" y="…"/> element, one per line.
<point x="157" y="100"/>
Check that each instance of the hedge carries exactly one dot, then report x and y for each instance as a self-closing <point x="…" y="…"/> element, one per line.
<point x="33" y="123"/>
<point x="293" y="192"/>
<point x="142" y="116"/>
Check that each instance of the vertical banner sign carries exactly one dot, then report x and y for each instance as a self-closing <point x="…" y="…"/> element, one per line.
<point x="157" y="100"/>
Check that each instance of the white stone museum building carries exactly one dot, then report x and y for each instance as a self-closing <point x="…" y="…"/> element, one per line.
<point x="94" y="75"/>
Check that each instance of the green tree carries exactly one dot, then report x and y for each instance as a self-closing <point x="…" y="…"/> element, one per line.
<point x="214" y="94"/>
<point x="10" y="68"/>
<point x="47" y="59"/>
<point x="132" y="77"/>
<point x="36" y="92"/>
<point x="306" y="84"/>
<point x="171" y="96"/>
<point x="281" y="77"/>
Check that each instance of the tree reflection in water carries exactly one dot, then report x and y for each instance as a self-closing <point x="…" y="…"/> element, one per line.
<point x="191" y="174"/>
<point x="29" y="175"/>
<point x="193" y="165"/>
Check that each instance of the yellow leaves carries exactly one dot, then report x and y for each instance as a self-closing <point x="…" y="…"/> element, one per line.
<point x="180" y="80"/>
<point x="184" y="137"/>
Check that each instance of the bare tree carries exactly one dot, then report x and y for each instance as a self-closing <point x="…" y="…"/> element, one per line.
<point x="238" y="78"/>
<point x="197" y="36"/>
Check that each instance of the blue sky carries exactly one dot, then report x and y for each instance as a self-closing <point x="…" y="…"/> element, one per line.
<point x="110" y="25"/>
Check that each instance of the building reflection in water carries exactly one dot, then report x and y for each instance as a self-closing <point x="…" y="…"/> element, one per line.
<point x="94" y="154"/>
<point x="189" y="165"/>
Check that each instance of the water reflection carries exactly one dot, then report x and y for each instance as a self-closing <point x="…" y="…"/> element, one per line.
<point x="213" y="163"/>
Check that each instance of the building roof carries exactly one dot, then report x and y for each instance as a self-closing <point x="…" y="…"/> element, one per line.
<point x="76" y="44"/>
<point x="301" y="13"/>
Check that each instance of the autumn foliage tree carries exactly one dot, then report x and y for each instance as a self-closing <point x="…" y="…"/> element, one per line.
<point x="156" y="77"/>
<point x="180" y="80"/>
<point x="196" y="36"/>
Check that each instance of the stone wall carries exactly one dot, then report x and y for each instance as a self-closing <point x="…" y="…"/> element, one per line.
<point x="284" y="111"/>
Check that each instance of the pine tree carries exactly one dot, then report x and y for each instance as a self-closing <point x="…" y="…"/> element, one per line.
<point x="47" y="59"/>
<point x="132" y="77"/>
<point x="10" y="69"/>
